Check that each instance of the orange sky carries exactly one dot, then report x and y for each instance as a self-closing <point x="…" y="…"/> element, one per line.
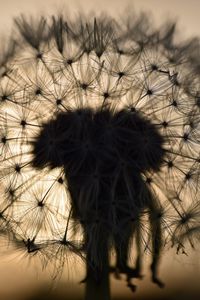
<point x="187" y="11"/>
<point x="181" y="275"/>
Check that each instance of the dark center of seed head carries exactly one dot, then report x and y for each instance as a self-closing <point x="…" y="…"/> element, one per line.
<point x="170" y="164"/>
<point x="60" y="144"/>
<point x="186" y="137"/>
<point x="164" y="124"/>
<point x="149" y="92"/>
<point x="40" y="203"/>
<point x="58" y="101"/>
<point x="3" y="140"/>
<point x="106" y="95"/>
<point x="174" y="103"/>
<point x="23" y="123"/>
<point x="39" y="55"/>
<point x="38" y="92"/>
<point x="154" y="67"/>
<point x="121" y="74"/>
<point x="84" y="86"/>
<point x="188" y="176"/>
<point x="11" y="192"/>
<point x="4" y="97"/>
<point x="17" y="168"/>
<point x="60" y="180"/>
<point x="148" y="180"/>
<point x="69" y="61"/>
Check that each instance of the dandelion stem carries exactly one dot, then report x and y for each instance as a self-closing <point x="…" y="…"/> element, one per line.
<point x="98" y="290"/>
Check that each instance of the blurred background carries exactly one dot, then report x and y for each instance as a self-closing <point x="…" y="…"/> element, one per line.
<point x="20" y="278"/>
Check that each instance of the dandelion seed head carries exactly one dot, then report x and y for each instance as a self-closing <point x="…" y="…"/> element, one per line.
<point x="99" y="137"/>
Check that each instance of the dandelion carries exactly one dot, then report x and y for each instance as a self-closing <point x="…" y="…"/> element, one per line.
<point x="99" y="141"/>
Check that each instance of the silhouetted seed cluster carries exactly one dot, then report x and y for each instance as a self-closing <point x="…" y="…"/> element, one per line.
<point x="99" y="140"/>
